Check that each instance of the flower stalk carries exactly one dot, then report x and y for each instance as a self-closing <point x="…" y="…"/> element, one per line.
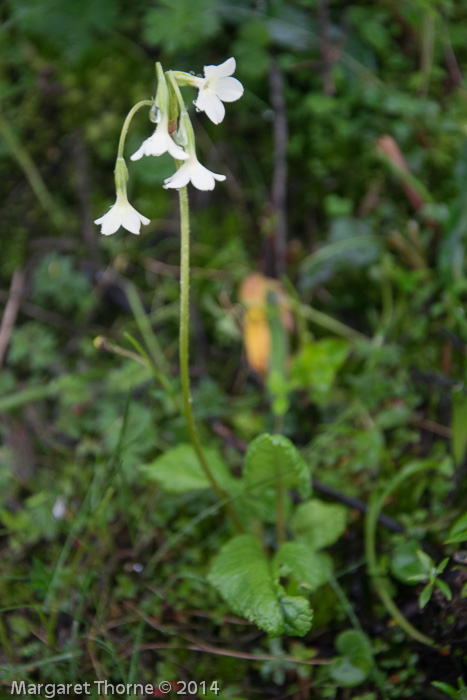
<point x="127" y="122"/>
<point x="184" y="352"/>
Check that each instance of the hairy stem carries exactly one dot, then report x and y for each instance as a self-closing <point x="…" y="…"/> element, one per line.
<point x="127" y="122"/>
<point x="184" y="355"/>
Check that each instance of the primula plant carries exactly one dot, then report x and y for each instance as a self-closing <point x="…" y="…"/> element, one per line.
<point x="268" y="569"/>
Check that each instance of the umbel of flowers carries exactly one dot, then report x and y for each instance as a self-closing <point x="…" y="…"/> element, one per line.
<point x="174" y="135"/>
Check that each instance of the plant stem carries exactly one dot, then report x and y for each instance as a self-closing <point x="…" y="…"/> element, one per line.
<point x="126" y="123"/>
<point x="184" y="355"/>
<point x="379" y="582"/>
<point x="24" y="396"/>
<point x="9" y="649"/>
<point x="347" y="605"/>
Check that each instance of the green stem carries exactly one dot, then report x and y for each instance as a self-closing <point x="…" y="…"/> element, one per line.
<point x="159" y="376"/>
<point x="32" y="173"/>
<point x="331" y="324"/>
<point x="145" y="327"/>
<point x="347" y="605"/>
<point x="4" y="639"/>
<point x="184" y="356"/>
<point x="25" y="396"/>
<point x="176" y="89"/>
<point x="126" y="123"/>
<point x="379" y="582"/>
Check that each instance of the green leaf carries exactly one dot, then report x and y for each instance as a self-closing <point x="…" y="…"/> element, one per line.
<point x="458" y="531"/>
<point x="447" y="688"/>
<point x="308" y="567"/>
<point x="177" y="25"/>
<point x="406" y="564"/>
<point x="425" y="595"/>
<point x="444" y="588"/>
<point x="318" y="523"/>
<point x="271" y="458"/>
<point x="440" y="568"/>
<point x="242" y="575"/>
<point x="178" y="470"/>
<point x="72" y="29"/>
<point x="350" y="243"/>
<point x="263" y="506"/>
<point x="55" y="281"/>
<point x="354" y="664"/>
<point x="297" y="615"/>
<point x="316" y="366"/>
<point x="251" y="48"/>
<point x="33" y="334"/>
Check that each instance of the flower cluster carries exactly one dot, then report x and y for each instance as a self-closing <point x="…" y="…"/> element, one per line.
<point x="174" y="135"/>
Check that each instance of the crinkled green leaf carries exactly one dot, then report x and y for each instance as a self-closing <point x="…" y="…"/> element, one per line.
<point x="310" y="568"/>
<point x="297" y="614"/>
<point x="271" y="458"/>
<point x="242" y="575"/>
<point x="263" y="506"/>
<point x="354" y="664"/>
<point x="178" y="470"/>
<point x="458" y="531"/>
<point x="319" y="524"/>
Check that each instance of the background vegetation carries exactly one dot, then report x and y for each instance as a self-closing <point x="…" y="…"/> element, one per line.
<point x="347" y="168"/>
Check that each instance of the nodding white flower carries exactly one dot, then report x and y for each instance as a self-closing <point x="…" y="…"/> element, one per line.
<point x="121" y="214"/>
<point x="217" y="87"/>
<point x="192" y="171"/>
<point x="160" y="142"/>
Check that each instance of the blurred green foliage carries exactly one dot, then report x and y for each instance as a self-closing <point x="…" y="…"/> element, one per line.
<point x="376" y="375"/>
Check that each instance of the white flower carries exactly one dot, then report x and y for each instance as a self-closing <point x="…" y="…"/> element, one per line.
<point x="217" y="87"/>
<point x="159" y="143"/>
<point x="121" y="214"/>
<point x="192" y="171"/>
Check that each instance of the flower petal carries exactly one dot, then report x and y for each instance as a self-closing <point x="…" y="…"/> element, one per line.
<point x="229" y="89"/>
<point x="213" y="107"/>
<point x="202" y="178"/>
<point x="176" y="151"/>
<point x="221" y="71"/>
<point x="121" y="214"/>
<point x="160" y="142"/>
<point x="140" y="152"/>
<point x="110" y="222"/>
<point x="180" y="178"/>
<point x="131" y="220"/>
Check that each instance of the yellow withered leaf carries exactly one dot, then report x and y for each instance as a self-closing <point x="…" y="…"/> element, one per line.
<point x="253" y="294"/>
